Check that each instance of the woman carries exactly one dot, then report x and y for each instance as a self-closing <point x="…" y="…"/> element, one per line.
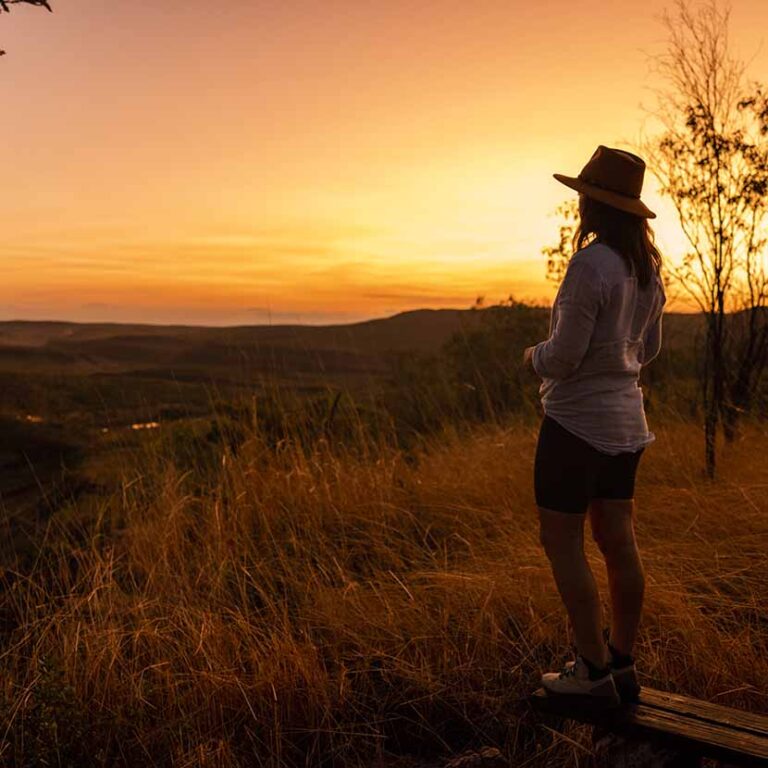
<point x="605" y="325"/>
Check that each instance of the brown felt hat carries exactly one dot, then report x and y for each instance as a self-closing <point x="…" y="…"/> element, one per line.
<point x="614" y="177"/>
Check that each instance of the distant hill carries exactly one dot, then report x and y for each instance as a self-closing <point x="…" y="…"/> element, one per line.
<point x="156" y="350"/>
<point x="120" y="348"/>
<point x="420" y="328"/>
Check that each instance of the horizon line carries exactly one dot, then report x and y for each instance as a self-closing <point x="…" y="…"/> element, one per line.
<point x="307" y="324"/>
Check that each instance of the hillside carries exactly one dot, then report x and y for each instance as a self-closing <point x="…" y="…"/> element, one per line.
<point x="239" y="352"/>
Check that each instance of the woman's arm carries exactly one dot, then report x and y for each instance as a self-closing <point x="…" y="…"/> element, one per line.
<point x="578" y="302"/>
<point x="652" y="335"/>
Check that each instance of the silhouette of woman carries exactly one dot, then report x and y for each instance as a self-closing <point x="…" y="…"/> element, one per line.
<point x="604" y="326"/>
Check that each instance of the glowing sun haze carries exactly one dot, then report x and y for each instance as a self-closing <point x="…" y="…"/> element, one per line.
<point x="253" y="162"/>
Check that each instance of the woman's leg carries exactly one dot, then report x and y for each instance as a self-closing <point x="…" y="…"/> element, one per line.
<point x="613" y="530"/>
<point x="562" y="536"/>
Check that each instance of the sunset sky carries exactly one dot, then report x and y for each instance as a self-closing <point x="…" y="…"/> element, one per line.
<point x="268" y="162"/>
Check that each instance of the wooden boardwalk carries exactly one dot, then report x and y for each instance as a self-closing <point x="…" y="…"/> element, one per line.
<point x="692" y="726"/>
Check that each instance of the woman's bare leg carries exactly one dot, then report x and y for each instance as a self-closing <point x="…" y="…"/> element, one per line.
<point x="562" y="536"/>
<point x="613" y="530"/>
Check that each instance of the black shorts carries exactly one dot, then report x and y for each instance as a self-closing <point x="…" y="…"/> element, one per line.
<point x="568" y="472"/>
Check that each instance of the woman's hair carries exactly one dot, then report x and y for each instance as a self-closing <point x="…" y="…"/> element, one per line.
<point x="626" y="233"/>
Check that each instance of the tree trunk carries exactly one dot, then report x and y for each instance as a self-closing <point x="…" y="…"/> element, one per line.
<point x="710" y="435"/>
<point x="712" y="391"/>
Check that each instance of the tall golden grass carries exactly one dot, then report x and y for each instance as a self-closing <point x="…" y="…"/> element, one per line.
<point x="335" y="604"/>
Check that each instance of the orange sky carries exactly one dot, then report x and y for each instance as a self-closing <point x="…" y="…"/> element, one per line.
<point x="254" y="162"/>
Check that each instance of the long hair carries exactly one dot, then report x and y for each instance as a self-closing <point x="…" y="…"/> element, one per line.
<point x="626" y="233"/>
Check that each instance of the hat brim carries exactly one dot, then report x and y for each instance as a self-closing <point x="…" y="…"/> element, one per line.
<point x="622" y="202"/>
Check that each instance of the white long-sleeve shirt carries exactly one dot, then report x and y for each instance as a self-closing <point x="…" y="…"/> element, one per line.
<point x="603" y="328"/>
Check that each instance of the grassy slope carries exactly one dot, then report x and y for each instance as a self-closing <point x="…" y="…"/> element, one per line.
<point x="301" y="605"/>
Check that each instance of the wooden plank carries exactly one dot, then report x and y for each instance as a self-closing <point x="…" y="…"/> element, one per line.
<point x="678" y="729"/>
<point x="705" y="710"/>
<point x="709" y="739"/>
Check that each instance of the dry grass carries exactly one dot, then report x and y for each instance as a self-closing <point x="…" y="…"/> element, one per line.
<point x="329" y="605"/>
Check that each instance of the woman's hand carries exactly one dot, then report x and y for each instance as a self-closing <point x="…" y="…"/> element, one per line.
<point x="528" y="357"/>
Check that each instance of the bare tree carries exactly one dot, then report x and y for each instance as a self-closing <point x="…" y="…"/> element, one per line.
<point x="711" y="159"/>
<point x="5" y="7"/>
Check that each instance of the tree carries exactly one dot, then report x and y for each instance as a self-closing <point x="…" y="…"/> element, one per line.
<point x="5" y="7"/>
<point x="711" y="160"/>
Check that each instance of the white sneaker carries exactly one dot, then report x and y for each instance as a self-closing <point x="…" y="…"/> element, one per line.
<point x="573" y="680"/>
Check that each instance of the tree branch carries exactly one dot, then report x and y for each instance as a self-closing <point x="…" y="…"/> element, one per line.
<point x="4" y="7"/>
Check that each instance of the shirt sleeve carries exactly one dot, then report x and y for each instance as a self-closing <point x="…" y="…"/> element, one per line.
<point x="652" y="335"/>
<point x="578" y="303"/>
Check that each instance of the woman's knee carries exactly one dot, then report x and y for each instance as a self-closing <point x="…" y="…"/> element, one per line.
<point x="615" y="545"/>
<point x="612" y="527"/>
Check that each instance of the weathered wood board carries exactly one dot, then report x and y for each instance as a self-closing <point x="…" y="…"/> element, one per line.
<point x="690" y="725"/>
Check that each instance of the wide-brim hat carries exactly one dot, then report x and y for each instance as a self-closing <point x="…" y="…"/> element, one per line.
<point x="614" y="177"/>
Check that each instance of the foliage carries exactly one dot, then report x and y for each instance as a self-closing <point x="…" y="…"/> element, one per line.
<point x="559" y="254"/>
<point x="55" y="724"/>
<point x="486" y="362"/>
<point x="476" y="376"/>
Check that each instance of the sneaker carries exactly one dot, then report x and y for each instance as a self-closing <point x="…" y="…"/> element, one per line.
<point x="573" y="680"/>
<point x="625" y="679"/>
<point x="624" y="673"/>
